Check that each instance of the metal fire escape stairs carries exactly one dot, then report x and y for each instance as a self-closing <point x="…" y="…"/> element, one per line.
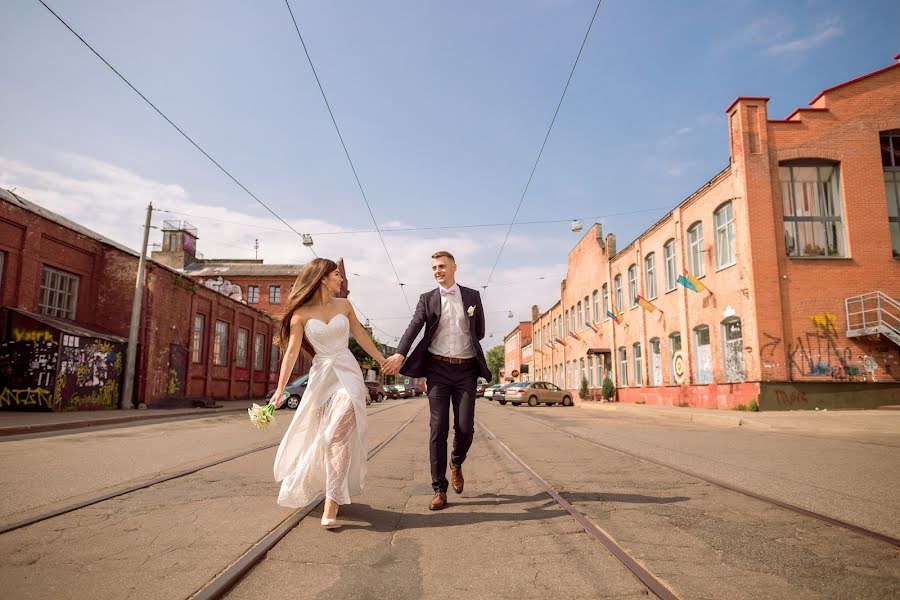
<point x="871" y="314"/>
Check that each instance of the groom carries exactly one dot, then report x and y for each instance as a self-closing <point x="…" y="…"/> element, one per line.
<point x="451" y="358"/>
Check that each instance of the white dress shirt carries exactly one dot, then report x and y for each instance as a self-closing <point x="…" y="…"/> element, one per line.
<point x="452" y="337"/>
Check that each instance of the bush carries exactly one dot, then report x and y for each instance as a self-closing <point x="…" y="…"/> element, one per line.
<point x="584" y="393"/>
<point x="608" y="388"/>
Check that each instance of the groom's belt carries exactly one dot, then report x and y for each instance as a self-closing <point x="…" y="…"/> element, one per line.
<point x="451" y="360"/>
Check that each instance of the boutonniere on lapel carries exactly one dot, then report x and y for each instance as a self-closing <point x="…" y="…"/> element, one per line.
<point x="471" y="311"/>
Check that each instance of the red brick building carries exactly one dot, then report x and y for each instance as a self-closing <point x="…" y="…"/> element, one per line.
<point x="793" y="251"/>
<point x="67" y="293"/>
<point x="516" y="366"/>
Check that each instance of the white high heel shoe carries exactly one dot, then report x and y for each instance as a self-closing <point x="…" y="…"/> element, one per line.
<point x="330" y="523"/>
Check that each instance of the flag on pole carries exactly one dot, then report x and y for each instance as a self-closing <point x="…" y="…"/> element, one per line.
<point x="592" y="325"/>
<point x="615" y="314"/>
<point x="646" y="304"/>
<point x="574" y="335"/>
<point x="687" y="284"/>
<point x="560" y="342"/>
<point x="697" y="283"/>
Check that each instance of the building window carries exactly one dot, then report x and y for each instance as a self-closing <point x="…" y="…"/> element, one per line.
<point x="724" y="219"/>
<point x="632" y="286"/>
<point x="600" y="368"/>
<point x="567" y="323"/>
<point x="220" y="344"/>
<point x="568" y="374"/>
<point x="604" y="292"/>
<point x="59" y="294"/>
<point x="655" y="363"/>
<point x="650" y="275"/>
<point x="2" y="262"/>
<point x="638" y="364"/>
<point x="695" y="249"/>
<point x="581" y="376"/>
<point x="590" y="370"/>
<point x="671" y="267"/>
<point x="198" y="336"/>
<point x="674" y="348"/>
<point x="703" y="354"/>
<point x="596" y="303"/>
<point x="252" y="294"/>
<point x="572" y="318"/>
<point x="580" y="319"/>
<point x="259" y="352"/>
<point x="811" y="196"/>
<point x="617" y="284"/>
<point x="274" y="358"/>
<point x="733" y="355"/>
<point x="587" y="311"/>
<point x="274" y="294"/>
<point x="623" y="366"/>
<point x="240" y="354"/>
<point x="890" y="160"/>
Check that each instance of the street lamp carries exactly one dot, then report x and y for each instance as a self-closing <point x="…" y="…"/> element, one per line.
<point x="307" y="239"/>
<point x="510" y="315"/>
<point x="576" y="225"/>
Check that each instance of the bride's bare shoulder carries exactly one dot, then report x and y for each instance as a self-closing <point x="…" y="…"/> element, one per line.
<point x="344" y="304"/>
<point x="299" y="317"/>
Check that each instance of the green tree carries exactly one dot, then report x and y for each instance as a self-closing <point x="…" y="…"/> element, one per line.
<point x="583" y="393"/>
<point x="495" y="357"/>
<point x="608" y="388"/>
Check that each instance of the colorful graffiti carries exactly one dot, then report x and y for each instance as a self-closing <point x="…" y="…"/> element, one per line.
<point x="28" y="397"/>
<point x="226" y="287"/>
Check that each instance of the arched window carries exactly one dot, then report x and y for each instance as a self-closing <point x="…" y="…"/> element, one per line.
<point x="674" y="349"/>
<point x="650" y="276"/>
<point x="632" y="286"/>
<point x="617" y="285"/>
<point x="695" y="249"/>
<point x="580" y="320"/>
<point x="638" y="364"/>
<point x="605" y="293"/>
<point x="733" y="350"/>
<point x="655" y="363"/>
<point x="596" y="303"/>
<point x="623" y="366"/>
<point x="724" y="219"/>
<point x="703" y="355"/>
<point x="671" y="267"/>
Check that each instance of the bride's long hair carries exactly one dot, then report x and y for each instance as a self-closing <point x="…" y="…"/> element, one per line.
<point x="306" y="286"/>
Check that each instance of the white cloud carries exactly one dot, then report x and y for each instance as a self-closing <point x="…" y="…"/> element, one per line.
<point x="825" y="30"/>
<point x="112" y="201"/>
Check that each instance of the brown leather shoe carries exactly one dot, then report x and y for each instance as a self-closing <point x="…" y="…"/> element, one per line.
<point x="439" y="502"/>
<point x="456" y="478"/>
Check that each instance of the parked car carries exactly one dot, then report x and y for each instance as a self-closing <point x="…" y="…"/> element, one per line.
<point x="294" y="391"/>
<point x="377" y="392"/>
<point x="480" y="389"/>
<point x="489" y="392"/>
<point x="391" y="391"/>
<point x="500" y="393"/>
<point x="534" y="393"/>
<point x="405" y="391"/>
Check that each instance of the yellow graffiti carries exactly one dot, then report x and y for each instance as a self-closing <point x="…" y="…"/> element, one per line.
<point x="825" y="322"/>
<point x="60" y="386"/>
<point x="26" y="397"/>
<point x="32" y="336"/>
<point x="106" y="397"/>
<point x="118" y="362"/>
<point x="174" y="385"/>
<point x="102" y="346"/>
<point x="81" y="374"/>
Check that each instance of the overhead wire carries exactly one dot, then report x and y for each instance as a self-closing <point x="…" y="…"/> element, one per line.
<point x="170" y="122"/>
<point x="347" y="153"/>
<point x="543" y="145"/>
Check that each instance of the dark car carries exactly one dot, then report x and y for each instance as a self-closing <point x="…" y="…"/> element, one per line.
<point x="392" y="392"/>
<point x="294" y="392"/>
<point x="376" y="391"/>
<point x="405" y="391"/>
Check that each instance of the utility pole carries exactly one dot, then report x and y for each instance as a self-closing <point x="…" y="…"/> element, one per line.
<point x="128" y="389"/>
<point x="256" y="249"/>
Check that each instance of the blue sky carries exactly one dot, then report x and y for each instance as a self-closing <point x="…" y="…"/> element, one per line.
<point x="443" y="107"/>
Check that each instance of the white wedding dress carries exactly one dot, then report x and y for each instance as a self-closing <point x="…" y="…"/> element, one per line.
<point x="324" y="448"/>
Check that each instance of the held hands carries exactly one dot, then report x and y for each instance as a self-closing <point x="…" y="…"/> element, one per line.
<point x="392" y="365"/>
<point x="277" y="399"/>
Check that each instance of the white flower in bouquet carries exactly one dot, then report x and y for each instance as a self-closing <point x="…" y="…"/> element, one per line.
<point x="262" y="416"/>
<point x="471" y="311"/>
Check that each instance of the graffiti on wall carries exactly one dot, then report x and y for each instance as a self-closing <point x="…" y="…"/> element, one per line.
<point x="820" y="353"/>
<point x="226" y="287"/>
<point x="90" y="370"/>
<point x="27" y="368"/>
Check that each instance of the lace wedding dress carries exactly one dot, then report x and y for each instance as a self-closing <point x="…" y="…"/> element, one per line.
<point x="324" y="449"/>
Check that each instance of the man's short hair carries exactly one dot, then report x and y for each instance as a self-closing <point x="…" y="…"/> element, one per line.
<point x="442" y="254"/>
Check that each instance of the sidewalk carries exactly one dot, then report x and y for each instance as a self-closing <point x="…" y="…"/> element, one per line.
<point x="18" y="423"/>
<point x="873" y="421"/>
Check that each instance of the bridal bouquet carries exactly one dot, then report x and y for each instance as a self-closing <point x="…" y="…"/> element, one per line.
<point x="262" y="416"/>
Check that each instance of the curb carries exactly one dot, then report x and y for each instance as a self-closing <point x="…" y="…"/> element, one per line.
<point x="723" y="420"/>
<point x="44" y="427"/>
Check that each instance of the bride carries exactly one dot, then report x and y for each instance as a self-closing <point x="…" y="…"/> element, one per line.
<point x="324" y="448"/>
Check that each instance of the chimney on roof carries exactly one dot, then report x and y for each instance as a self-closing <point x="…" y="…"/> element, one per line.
<point x="610" y="245"/>
<point x="535" y="313"/>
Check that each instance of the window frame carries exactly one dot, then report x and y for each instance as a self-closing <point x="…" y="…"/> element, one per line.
<point x="650" y="276"/>
<point x="728" y="227"/>
<point x="623" y="366"/>
<point x="220" y="344"/>
<point x="241" y="347"/>
<point x="274" y="294"/>
<point x="696" y="266"/>
<point x="48" y="299"/>
<point x="604" y="295"/>
<point x="837" y="201"/>
<point x="633" y="291"/>
<point x="198" y="336"/>
<point x="619" y="298"/>
<point x="252" y="294"/>
<point x="595" y="297"/>
<point x="893" y="169"/>
<point x="637" y="357"/>
<point x="670" y="259"/>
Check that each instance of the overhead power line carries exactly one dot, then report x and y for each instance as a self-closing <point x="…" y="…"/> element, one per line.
<point x="170" y="122"/>
<point x="347" y="153"/>
<point x="543" y="144"/>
